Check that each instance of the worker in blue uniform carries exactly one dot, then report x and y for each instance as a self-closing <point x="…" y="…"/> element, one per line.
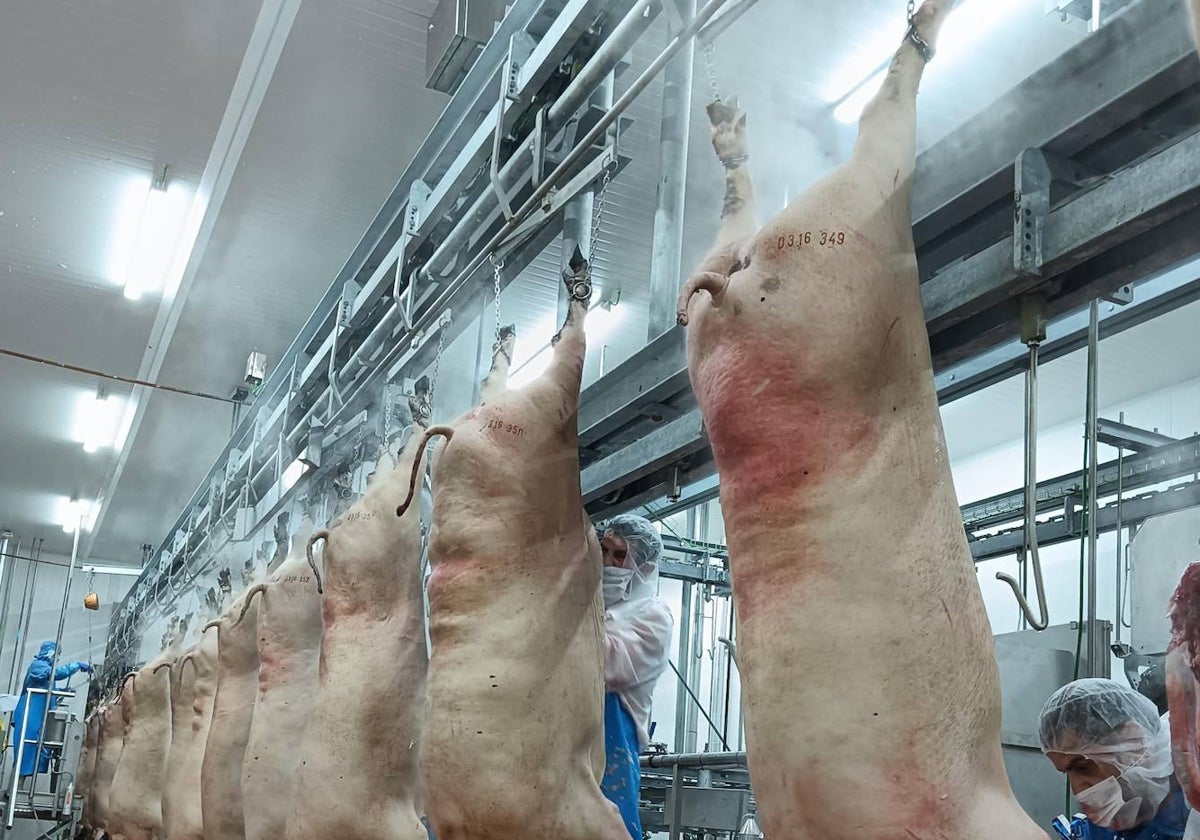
<point x="31" y="708"/>
<point x="637" y="632"/>
<point x="1116" y="752"/>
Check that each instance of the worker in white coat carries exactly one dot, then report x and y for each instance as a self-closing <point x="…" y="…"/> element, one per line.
<point x="637" y="627"/>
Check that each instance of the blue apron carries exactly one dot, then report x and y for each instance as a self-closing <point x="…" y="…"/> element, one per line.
<point x="622" y="783"/>
<point x="1168" y="823"/>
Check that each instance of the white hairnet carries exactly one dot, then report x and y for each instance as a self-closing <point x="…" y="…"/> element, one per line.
<point x="641" y="537"/>
<point x="1110" y="724"/>
<point x="1100" y="719"/>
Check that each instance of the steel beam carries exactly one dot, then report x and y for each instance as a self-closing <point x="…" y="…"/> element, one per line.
<point x="1120" y="78"/>
<point x="1068" y="527"/>
<point x="1133" y="472"/>
<point x="1124" y="436"/>
<point x="1108" y="223"/>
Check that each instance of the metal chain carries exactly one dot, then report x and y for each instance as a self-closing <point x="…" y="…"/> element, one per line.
<point x="597" y="215"/>
<point x="497" y="267"/>
<point x="437" y="363"/>
<point x="912" y="10"/>
<point x="712" y="70"/>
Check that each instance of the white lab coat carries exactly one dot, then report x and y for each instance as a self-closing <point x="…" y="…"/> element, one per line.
<point x="637" y="632"/>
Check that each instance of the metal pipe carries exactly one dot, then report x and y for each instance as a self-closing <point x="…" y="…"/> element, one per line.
<point x="1042" y="620"/>
<point x="7" y="554"/>
<point x="368" y="345"/>
<point x="674" y="133"/>
<point x="62" y="620"/>
<point x="601" y="65"/>
<point x="714" y="760"/>
<point x="692" y="735"/>
<point x="685" y="641"/>
<point x="1120" y="556"/>
<point x="578" y="227"/>
<point x="673" y="824"/>
<point x="1093" y="366"/>
<point x="26" y="614"/>
<point x="453" y="243"/>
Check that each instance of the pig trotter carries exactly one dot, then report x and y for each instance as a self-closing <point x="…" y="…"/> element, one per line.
<point x="444" y="431"/>
<point x="216" y="622"/>
<point x="312" y="564"/>
<point x="262" y="587"/>
<point x="160" y="667"/>
<point x="706" y="281"/>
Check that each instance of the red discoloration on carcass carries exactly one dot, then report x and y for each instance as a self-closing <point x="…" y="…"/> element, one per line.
<point x="1183" y="681"/>
<point x="777" y="428"/>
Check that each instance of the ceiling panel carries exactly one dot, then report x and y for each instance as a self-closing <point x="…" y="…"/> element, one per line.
<point x="97" y="94"/>
<point x="345" y="111"/>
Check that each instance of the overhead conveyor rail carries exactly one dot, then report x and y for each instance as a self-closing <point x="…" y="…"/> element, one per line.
<point x="518" y="131"/>
<point x="1096" y="149"/>
<point x="1110" y="125"/>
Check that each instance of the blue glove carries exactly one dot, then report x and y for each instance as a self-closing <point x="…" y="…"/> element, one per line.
<point x="86" y="667"/>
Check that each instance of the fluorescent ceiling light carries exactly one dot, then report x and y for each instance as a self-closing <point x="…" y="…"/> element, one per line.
<point x="130" y="571"/>
<point x="98" y="420"/>
<point x="150" y="220"/>
<point x="966" y="24"/>
<point x="71" y="513"/>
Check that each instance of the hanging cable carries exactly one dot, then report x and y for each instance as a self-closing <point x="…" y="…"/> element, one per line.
<point x="114" y="377"/>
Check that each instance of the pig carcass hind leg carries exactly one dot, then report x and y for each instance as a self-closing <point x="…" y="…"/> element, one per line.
<point x="496" y="382"/>
<point x="257" y="589"/>
<point x="419" y="462"/>
<point x="312" y="563"/>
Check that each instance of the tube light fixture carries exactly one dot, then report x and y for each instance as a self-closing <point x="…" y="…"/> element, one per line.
<point x="98" y="420"/>
<point x="150" y="217"/>
<point x="969" y="20"/>
<point x="129" y="571"/>
<point x="74" y="513"/>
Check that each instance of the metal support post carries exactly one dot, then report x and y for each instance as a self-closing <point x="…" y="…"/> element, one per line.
<point x="667" y="249"/>
<point x="62" y="620"/>
<point x="31" y="573"/>
<point x="8" y="560"/>
<point x="1119" y="533"/>
<point x="577" y="215"/>
<point x="676" y="802"/>
<point x="1093" y="364"/>
<point x="685" y="656"/>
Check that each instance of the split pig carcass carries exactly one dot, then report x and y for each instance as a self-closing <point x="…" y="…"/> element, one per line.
<point x="135" y="798"/>
<point x="810" y="361"/>
<point x="87" y="763"/>
<point x="1183" y="682"/>
<point x="514" y="734"/>
<point x="108" y="756"/>
<point x="183" y="817"/>
<point x="289" y="648"/>
<point x="358" y="777"/>
<point x="221" y="799"/>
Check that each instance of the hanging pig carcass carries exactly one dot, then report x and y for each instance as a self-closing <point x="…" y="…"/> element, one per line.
<point x="514" y="738"/>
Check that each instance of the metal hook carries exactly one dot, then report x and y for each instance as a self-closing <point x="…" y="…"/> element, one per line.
<point x="1042" y="620"/>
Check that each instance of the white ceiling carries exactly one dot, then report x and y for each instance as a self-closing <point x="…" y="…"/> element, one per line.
<point x="99" y="91"/>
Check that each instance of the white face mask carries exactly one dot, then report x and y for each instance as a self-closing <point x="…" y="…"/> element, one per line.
<point x="1109" y="804"/>
<point x="615" y="584"/>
